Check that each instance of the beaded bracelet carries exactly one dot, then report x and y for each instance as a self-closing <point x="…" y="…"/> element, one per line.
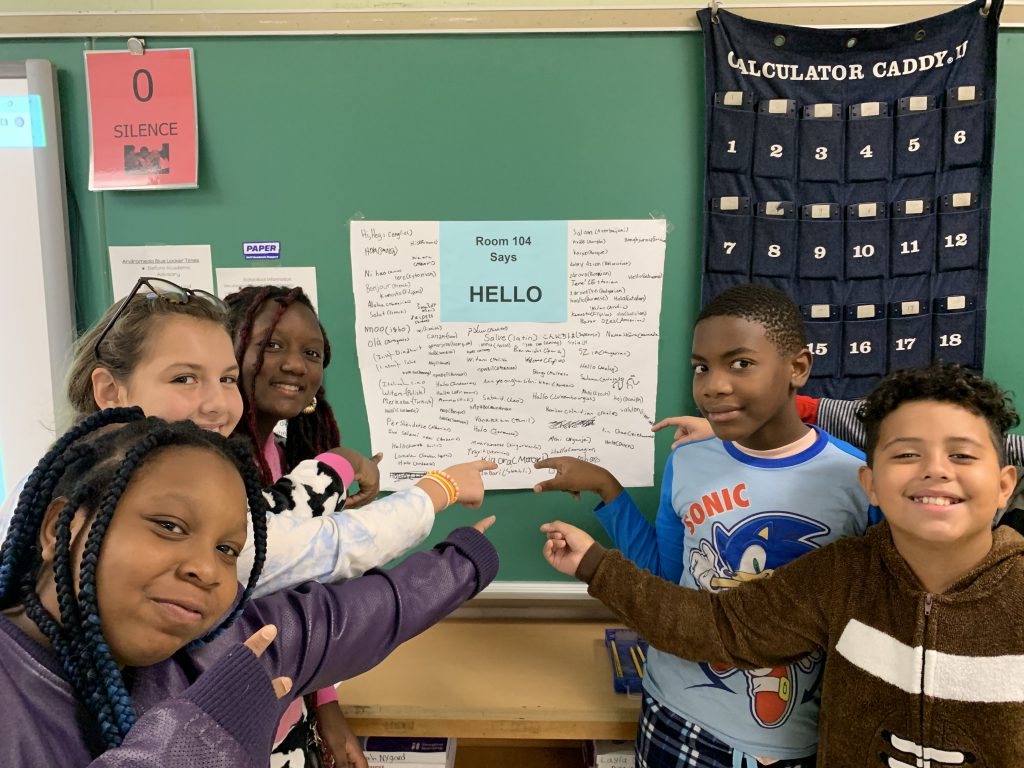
<point x="451" y="482"/>
<point x="448" y="482"/>
<point x="449" y="491"/>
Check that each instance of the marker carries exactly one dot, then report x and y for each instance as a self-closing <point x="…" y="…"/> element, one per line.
<point x="636" y="662"/>
<point x="615" y="658"/>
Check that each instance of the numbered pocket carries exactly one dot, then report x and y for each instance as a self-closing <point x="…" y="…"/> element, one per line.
<point x="864" y="340"/>
<point x="820" y="241"/>
<point x="959" y="232"/>
<point x="775" y="139"/>
<point x="910" y="335"/>
<point x="732" y="132"/>
<point x="774" y="253"/>
<point x="729" y="235"/>
<point x="821" y="143"/>
<point x="963" y="135"/>
<point x="912" y="244"/>
<point x="955" y="330"/>
<point x="867" y="241"/>
<point x="918" y="128"/>
<point x="869" y="142"/>
<point x="824" y="339"/>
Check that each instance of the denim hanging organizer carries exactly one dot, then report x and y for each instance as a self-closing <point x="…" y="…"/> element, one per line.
<point x="852" y="168"/>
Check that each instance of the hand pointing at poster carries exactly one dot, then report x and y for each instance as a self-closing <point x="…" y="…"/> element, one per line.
<point x="575" y="475"/>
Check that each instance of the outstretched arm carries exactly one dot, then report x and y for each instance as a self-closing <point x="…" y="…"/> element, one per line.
<point x="324" y="633"/>
<point x="773" y="620"/>
<point x="342" y="544"/>
<point x="657" y="548"/>
<point x="690" y="429"/>
<point x="315" y="538"/>
<point x="332" y="632"/>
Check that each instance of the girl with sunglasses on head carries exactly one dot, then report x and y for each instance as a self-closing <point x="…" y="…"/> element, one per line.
<point x="125" y="638"/>
<point x="167" y="350"/>
<point x="163" y="349"/>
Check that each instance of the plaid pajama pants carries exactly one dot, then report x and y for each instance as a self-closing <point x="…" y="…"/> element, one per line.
<point x="666" y="740"/>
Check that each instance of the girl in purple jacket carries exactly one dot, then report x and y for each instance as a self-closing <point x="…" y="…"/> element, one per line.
<point x="122" y="626"/>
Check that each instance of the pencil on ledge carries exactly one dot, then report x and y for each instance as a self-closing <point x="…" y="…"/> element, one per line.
<point x="636" y="661"/>
<point x="643" y="656"/>
<point x="615" y="658"/>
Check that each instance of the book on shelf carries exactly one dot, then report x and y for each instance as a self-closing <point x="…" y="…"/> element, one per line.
<point x="413" y="752"/>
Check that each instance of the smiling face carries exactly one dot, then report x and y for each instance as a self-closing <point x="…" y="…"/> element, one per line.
<point x="167" y="567"/>
<point x="744" y="385"/>
<point x="292" y="370"/>
<point x="188" y="372"/>
<point x="936" y="476"/>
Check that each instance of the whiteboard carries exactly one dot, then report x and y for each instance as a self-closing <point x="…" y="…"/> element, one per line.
<point x="37" y="311"/>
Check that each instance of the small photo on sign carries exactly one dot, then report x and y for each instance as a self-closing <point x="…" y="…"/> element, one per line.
<point x="146" y="161"/>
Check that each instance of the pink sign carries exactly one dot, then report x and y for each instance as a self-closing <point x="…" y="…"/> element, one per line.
<point x="142" y="119"/>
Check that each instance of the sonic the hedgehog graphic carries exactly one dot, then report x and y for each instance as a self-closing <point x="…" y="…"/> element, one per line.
<point x="754" y="548"/>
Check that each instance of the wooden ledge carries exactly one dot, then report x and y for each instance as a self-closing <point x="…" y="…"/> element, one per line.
<point x="455" y="21"/>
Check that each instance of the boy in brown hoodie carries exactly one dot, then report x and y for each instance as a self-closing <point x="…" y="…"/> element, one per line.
<point x="922" y="619"/>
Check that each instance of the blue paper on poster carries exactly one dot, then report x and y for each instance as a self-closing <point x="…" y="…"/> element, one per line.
<point x="504" y="271"/>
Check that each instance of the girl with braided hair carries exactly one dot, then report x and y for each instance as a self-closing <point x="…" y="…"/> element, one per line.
<point x="125" y="638"/>
<point x="283" y="350"/>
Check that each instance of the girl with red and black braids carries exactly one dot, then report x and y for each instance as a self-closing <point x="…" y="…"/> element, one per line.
<point x="283" y="350"/>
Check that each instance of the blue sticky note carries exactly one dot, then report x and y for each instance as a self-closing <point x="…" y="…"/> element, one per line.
<point x="504" y="271"/>
<point x="21" y="122"/>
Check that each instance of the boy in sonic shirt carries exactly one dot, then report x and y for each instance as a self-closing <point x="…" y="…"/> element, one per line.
<point x="765" y="490"/>
<point x="922" y="619"/>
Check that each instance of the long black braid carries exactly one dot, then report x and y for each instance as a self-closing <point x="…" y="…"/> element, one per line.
<point x="89" y="468"/>
<point x="308" y="434"/>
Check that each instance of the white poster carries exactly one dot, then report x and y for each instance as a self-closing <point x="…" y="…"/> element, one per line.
<point x="231" y="279"/>
<point x="438" y="393"/>
<point x="190" y="266"/>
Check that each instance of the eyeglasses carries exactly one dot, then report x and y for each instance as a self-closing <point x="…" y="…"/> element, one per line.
<point x="157" y="289"/>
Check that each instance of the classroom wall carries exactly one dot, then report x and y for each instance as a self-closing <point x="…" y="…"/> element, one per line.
<point x="301" y="135"/>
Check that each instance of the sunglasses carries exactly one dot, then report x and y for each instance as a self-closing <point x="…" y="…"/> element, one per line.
<point x="155" y="288"/>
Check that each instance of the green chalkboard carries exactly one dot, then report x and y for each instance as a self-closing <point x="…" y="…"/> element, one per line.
<point x="299" y="136"/>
